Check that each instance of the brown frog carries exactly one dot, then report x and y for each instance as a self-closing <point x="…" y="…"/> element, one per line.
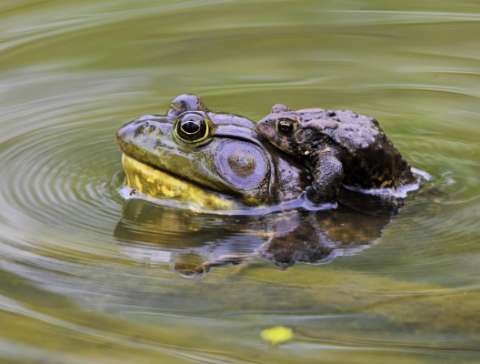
<point x="340" y="147"/>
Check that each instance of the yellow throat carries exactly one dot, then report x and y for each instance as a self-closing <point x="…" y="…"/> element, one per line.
<point x="158" y="184"/>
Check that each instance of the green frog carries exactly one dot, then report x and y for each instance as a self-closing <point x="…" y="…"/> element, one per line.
<point x="340" y="147"/>
<point x="208" y="158"/>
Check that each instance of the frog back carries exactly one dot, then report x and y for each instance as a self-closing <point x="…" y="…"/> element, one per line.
<point x="370" y="158"/>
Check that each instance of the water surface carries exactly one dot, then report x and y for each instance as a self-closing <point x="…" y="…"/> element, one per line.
<point x="85" y="277"/>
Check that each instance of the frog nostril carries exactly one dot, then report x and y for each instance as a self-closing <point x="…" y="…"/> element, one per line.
<point x="139" y="130"/>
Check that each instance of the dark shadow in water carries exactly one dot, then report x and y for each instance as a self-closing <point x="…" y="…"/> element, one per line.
<point x="193" y="243"/>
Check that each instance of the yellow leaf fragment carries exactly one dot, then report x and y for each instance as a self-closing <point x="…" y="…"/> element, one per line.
<point x="277" y="335"/>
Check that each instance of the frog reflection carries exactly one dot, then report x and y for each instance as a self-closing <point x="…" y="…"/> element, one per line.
<point x="194" y="243"/>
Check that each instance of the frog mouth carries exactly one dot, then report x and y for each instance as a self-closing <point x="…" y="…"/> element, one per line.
<point x="161" y="185"/>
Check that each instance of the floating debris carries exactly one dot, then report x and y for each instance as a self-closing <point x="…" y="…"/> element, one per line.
<point x="277" y="335"/>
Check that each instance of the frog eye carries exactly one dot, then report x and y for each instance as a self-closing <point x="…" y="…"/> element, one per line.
<point x="286" y="126"/>
<point x="192" y="127"/>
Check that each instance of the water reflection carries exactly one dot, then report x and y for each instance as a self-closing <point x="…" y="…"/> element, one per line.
<point x="194" y="243"/>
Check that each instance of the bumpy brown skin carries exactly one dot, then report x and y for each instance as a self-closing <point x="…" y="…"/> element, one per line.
<point x="340" y="147"/>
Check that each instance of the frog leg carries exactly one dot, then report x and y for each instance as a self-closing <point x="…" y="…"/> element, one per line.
<point x="327" y="173"/>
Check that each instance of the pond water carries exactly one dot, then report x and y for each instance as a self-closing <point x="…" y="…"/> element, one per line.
<point x="86" y="277"/>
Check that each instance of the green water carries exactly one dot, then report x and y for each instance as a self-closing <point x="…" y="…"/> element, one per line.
<point x="81" y="281"/>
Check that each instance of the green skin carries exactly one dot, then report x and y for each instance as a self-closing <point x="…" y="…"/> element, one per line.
<point x="217" y="151"/>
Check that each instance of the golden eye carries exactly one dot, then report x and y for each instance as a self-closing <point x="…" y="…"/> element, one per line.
<point x="286" y="126"/>
<point x="192" y="127"/>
